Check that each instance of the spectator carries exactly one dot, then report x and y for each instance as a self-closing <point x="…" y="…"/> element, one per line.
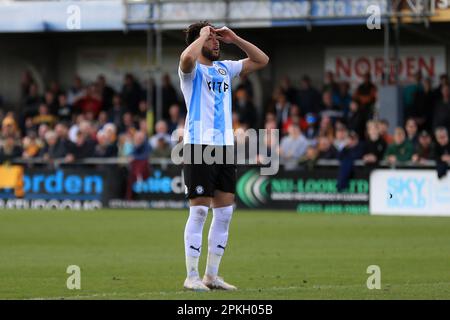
<point x="294" y="117"/>
<point x="143" y="109"/>
<point x="174" y="118"/>
<point x="352" y="151"/>
<point x="410" y="93"/>
<point x="247" y="85"/>
<point x="52" y="149"/>
<point x="341" y="136"/>
<point x="442" y="109"/>
<point x="424" y="150"/>
<point x="270" y="142"/>
<point x="62" y="147"/>
<point x="375" y="146"/>
<point x="424" y="104"/>
<point x="26" y="82"/>
<point x="65" y="109"/>
<point x="312" y="130"/>
<point x="51" y="102"/>
<point x="31" y="146"/>
<point x="327" y="107"/>
<point x="91" y="102"/>
<point x="131" y="93"/>
<point x="443" y="82"/>
<point x="236" y="124"/>
<point x="9" y="150"/>
<point x="104" y="148"/>
<point x="356" y="118"/>
<point x="292" y="147"/>
<point x="288" y="90"/>
<point x="329" y="84"/>
<point x="106" y="92"/>
<point x="161" y="132"/>
<point x="308" y="97"/>
<point x="383" y="129"/>
<point x="162" y="150"/>
<point x="32" y="101"/>
<point x="365" y="95"/>
<point x="282" y="107"/>
<point x="139" y="168"/>
<point x="442" y="154"/>
<point x="342" y="98"/>
<point x="401" y="150"/>
<point x="309" y="160"/>
<point x="245" y="109"/>
<point x="141" y="148"/>
<point x="169" y="95"/>
<point x="44" y="117"/>
<point x="411" y="131"/>
<point x="9" y="128"/>
<point x="102" y="120"/>
<point x="125" y="144"/>
<point x="127" y="123"/>
<point x="76" y="91"/>
<point x="72" y="133"/>
<point x="326" y="127"/>
<point x="84" y="146"/>
<point x="115" y="114"/>
<point x="326" y="149"/>
<point x="42" y="130"/>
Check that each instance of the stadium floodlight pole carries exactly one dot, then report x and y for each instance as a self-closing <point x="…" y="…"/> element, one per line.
<point x="158" y="65"/>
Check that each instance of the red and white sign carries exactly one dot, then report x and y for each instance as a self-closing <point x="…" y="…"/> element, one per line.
<point x="352" y="63"/>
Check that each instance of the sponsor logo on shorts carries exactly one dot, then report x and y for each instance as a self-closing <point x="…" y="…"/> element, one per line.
<point x="199" y="189"/>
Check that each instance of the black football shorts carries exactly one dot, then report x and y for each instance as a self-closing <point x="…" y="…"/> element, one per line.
<point x="201" y="177"/>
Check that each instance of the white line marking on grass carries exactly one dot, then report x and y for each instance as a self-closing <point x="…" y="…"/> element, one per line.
<point x="164" y="293"/>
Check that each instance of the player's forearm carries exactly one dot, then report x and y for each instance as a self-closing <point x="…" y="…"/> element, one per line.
<point x="192" y="52"/>
<point x="253" y="52"/>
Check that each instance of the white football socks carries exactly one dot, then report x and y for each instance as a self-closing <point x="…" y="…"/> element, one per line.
<point x="193" y="238"/>
<point x="217" y="238"/>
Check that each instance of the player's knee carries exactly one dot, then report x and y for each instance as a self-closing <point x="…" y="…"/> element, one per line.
<point x="199" y="213"/>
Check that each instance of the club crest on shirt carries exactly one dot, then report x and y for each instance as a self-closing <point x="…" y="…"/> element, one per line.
<point x="222" y="71"/>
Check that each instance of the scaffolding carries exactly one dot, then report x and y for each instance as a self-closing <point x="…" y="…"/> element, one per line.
<point x="156" y="16"/>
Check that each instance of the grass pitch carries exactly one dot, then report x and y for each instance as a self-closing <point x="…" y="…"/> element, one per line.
<point x="129" y="254"/>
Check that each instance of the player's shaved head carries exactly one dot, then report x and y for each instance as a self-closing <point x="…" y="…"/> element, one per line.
<point x="193" y="31"/>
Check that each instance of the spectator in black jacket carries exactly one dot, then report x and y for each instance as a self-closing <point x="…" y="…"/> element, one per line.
<point x="105" y="149"/>
<point x="375" y="145"/>
<point x="424" y="149"/>
<point x="84" y="146"/>
<point x="326" y="148"/>
<point x="442" y="154"/>
<point x="131" y="93"/>
<point x="351" y="152"/>
<point x="308" y="97"/>
<point x="356" y="119"/>
<point x="442" y="110"/>
<point x="9" y="150"/>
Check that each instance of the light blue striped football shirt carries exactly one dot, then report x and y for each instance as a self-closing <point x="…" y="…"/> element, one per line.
<point x="207" y="93"/>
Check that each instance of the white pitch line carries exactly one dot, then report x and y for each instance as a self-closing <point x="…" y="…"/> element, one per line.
<point x="162" y="293"/>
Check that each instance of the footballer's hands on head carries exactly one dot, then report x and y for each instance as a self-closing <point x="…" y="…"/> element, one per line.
<point x="206" y="31"/>
<point x="226" y="35"/>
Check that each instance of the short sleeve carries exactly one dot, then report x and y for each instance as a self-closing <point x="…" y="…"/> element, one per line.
<point x="186" y="76"/>
<point x="234" y="67"/>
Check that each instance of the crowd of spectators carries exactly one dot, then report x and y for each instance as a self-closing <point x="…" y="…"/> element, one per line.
<point x="335" y="123"/>
<point x="89" y="120"/>
<point x="332" y="122"/>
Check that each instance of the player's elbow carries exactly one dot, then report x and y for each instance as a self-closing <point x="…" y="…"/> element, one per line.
<point x="263" y="61"/>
